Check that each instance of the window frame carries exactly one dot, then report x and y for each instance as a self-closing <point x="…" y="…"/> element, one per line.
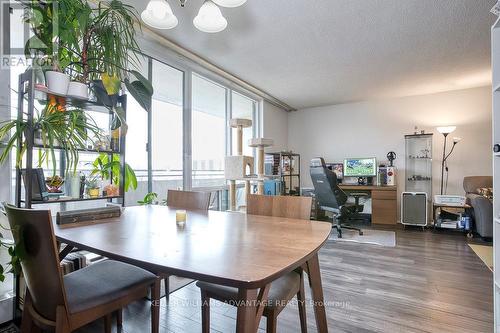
<point x="188" y="72"/>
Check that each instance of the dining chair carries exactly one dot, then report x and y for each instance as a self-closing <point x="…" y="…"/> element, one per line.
<point x="66" y="303"/>
<point x="284" y="288"/>
<point x="188" y="199"/>
<point x="184" y="200"/>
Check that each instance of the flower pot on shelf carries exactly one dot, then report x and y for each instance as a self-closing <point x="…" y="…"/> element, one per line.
<point x="78" y="90"/>
<point x="93" y="192"/>
<point x="112" y="190"/>
<point x="57" y="82"/>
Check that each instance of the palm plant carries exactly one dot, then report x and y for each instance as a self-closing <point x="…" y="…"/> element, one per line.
<point x="68" y="130"/>
<point x="92" y="42"/>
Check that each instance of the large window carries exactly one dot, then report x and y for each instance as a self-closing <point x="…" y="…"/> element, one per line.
<point x="136" y="154"/>
<point x="208" y="132"/>
<point x="166" y="127"/>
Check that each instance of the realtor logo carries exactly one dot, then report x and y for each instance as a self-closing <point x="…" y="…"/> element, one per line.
<point x="21" y="24"/>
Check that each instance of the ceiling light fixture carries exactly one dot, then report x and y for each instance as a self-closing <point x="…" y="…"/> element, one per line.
<point x="210" y="18"/>
<point x="230" y="3"/>
<point x="158" y="14"/>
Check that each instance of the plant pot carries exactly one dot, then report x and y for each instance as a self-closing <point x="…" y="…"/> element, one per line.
<point x="93" y="192"/>
<point x="101" y="94"/>
<point x="57" y="82"/>
<point x="78" y="90"/>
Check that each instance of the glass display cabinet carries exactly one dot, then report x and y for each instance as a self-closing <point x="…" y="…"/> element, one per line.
<point x="419" y="165"/>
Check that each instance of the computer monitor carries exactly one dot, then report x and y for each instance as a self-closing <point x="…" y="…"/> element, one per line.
<point x="360" y="167"/>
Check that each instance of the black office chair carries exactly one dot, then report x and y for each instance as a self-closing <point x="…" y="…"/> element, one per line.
<point x="331" y="198"/>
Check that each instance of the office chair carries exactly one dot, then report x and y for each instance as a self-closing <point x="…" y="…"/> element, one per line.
<point x="331" y="198"/>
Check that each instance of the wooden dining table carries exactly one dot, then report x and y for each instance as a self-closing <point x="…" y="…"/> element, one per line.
<point x="233" y="249"/>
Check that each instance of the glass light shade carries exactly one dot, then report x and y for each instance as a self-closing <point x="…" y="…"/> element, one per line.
<point x="456" y="140"/>
<point x="446" y="129"/>
<point x="210" y="18"/>
<point x="159" y="15"/>
<point x="230" y="3"/>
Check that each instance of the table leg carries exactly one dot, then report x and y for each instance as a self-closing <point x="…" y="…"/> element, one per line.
<point x="314" y="275"/>
<point x="247" y="311"/>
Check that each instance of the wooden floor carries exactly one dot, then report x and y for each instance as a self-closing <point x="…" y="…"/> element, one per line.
<point x="430" y="282"/>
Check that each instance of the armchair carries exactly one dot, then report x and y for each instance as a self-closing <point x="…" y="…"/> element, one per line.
<point x="482" y="207"/>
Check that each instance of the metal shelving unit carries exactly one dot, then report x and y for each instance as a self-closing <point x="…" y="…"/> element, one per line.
<point x="288" y="171"/>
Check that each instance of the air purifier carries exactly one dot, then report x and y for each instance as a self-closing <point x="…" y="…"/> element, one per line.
<point x="414" y="208"/>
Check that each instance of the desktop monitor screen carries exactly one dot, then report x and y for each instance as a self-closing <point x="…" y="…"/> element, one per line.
<point x="360" y="167"/>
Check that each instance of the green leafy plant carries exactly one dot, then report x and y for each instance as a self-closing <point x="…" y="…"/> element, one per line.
<point x="149" y="199"/>
<point x="110" y="169"/>
<point x="67" y="129"/>
<point x="92" y="183"/>
<point x="91" y="42"/>
<point x="16" y="252"/>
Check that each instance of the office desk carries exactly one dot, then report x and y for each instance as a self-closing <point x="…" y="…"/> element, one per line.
<point x="384" y="201"/>
<point x="232" y="249"/>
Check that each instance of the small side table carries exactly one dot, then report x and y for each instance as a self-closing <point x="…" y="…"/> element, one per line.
<point x="460" y="210"/>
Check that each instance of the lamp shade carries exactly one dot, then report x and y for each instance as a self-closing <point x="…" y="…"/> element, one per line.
<point x="456" y="140"/>
<point x="446" y="129"/>
<point x="159" y="15"/>
<point x="210" y="18"/>
<point x="230" y="3"/>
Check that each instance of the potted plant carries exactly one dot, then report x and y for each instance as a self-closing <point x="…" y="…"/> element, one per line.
<point x="14" y="265"/>
<point x="68" y="130"/>
<point x="110" y="170"/>
<point x="57" y="82"/>
<point x="95" y="43"/>
<point x="93" y="187"/>
<point x="78" y="88"/>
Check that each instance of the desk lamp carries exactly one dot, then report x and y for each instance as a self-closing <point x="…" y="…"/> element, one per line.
<point x="446" y="130"/>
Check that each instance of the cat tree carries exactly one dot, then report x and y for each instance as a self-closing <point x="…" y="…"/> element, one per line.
<point x="239" y="167"/>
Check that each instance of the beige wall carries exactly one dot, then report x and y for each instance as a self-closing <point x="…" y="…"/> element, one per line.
<point x="375" y="128"/>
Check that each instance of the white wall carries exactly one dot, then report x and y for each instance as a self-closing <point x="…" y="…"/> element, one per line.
<point x="375" y="128"/>
<point x="275" y="126"/>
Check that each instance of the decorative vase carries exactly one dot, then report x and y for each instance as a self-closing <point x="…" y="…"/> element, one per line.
<point x="78" y="90"/>
<point x="57" y="82"/>
<point x="73" y="185"/>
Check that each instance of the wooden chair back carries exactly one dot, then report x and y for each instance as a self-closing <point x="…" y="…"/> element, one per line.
<point x="292" y="207"/>
<point x="34" y="236"/>
<point x="188" y="199"/>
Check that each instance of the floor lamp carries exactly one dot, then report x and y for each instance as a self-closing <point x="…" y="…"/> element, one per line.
<point x="446" y="130"/>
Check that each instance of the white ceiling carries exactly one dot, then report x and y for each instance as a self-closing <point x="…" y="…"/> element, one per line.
<point x="318" y="52"/>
